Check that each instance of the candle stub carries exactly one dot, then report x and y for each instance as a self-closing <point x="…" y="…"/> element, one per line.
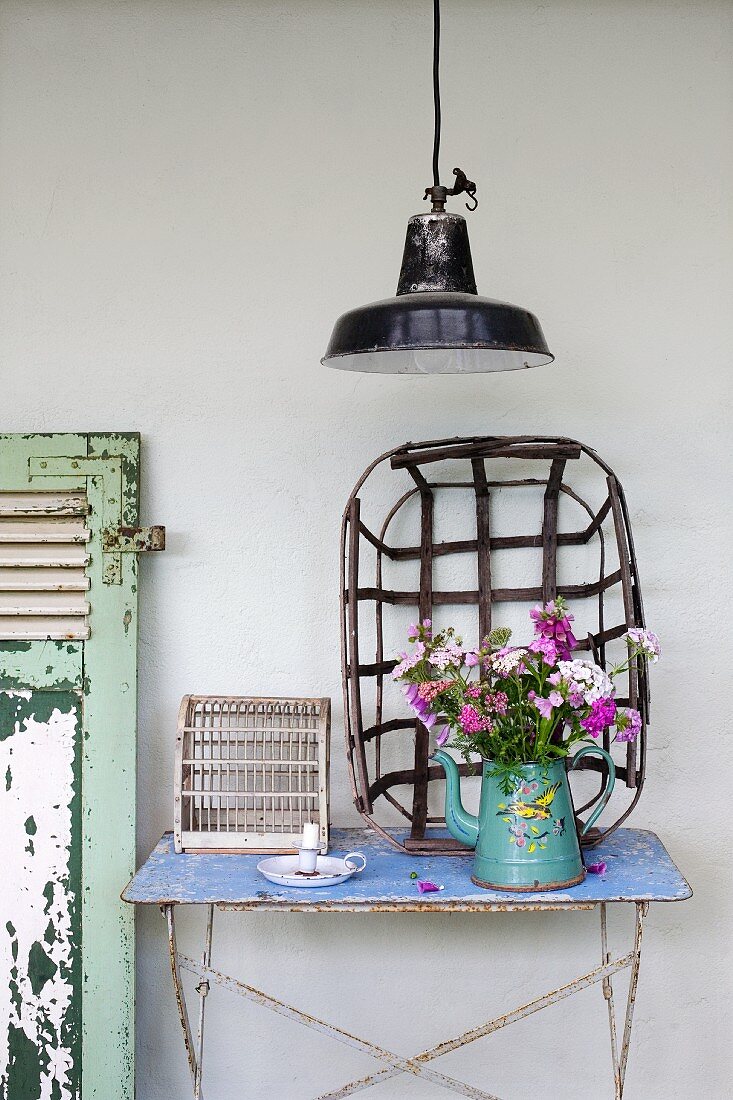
<point x="311" y="837"/>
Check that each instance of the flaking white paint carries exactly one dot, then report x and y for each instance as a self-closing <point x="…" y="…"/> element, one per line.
<point x="38" y="757"/>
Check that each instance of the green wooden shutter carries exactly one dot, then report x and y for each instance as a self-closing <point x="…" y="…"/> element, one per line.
<point x="68" y="668"/>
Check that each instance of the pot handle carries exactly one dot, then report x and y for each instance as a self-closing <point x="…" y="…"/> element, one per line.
<point x="599" y="808"/>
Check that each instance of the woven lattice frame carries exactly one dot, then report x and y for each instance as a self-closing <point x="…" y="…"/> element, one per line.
<point x="486" y="466"/>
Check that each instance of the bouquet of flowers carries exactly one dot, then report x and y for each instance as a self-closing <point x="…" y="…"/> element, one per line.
<point x="518" y="704"/>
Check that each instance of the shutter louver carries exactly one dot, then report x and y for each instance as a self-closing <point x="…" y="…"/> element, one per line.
<point x="43" y="559"/>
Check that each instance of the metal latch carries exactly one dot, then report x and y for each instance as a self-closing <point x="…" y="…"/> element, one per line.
<point x="132" y="540"/>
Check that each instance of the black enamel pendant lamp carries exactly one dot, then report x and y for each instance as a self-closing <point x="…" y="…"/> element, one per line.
<point x="437" y="323"/>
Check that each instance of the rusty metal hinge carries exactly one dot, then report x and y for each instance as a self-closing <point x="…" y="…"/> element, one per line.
<point x="132" y="540"/>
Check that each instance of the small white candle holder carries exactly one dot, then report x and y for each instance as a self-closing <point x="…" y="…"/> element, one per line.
<point x="308" y="849"/>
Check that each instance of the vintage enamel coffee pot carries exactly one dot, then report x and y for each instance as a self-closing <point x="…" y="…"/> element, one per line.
<point x="526" y="839"/>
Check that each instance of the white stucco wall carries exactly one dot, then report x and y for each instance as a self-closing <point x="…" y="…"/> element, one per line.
<point x="190" y="194"/>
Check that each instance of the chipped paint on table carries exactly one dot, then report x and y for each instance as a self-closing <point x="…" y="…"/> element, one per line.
<point x="40" y="938"/>
<point x="639" y="870"/>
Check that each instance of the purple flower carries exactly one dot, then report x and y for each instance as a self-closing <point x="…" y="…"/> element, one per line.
<point x="602" y="714"/>
<point x="553" y="622"/>
<point x="442" y="737"/>
<point x="420" y="707"/>
<point x="411" y="692"/>
<point x="628" y="724"/>
<point x="426" y="887"/>
<point x="599" y="868"/>
<point x="472" y="659"/>
<point x="547" y="648"/>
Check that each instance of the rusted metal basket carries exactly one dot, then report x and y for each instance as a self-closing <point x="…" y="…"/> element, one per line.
<point x="403" y="554"/>
<point x="250" y="772"/>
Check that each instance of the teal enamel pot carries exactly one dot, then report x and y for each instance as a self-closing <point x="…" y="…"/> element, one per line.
<point x="527" y="839"/>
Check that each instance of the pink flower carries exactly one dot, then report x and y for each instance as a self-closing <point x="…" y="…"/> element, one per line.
<point x="553" y="622"/>
<point x="545" y="706"/>
<point x="602" y="714"/>
<point x="473" y="692"/>
<point x="409" y="660"/>
<point x="472" y="722"/>
<point x="426" y="887"/>
<point x="472" y="659"/>
<point x="547" y="648"/>
<point x="644" y="642"/>
<point x="497" y="701"/>
<point x="430" y="689"/>
<point x="599" y="868"/>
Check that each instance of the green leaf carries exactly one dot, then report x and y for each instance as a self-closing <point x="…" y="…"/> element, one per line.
<point x="511" y="839"/>
<point x="502" y="805"/>
<point x="534" y="830"/>
<point x="543" y="845"/>
<point x="507" y="819"/>
<point x="532" y="847"/>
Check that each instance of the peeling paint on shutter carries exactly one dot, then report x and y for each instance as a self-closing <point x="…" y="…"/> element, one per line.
<point x="40" y="936"/>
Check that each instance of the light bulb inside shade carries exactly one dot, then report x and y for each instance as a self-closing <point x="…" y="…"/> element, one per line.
<point x="439" y="360"/>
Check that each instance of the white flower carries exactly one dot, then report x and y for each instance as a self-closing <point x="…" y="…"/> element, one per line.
<point x="505" y="663"/>
<point x="451" y="654"/>
<point x="586" y="678"/>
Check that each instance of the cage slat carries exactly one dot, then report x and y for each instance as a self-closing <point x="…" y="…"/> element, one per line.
<point x="250" y="772"/>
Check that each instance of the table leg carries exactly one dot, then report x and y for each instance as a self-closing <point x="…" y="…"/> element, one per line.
<point x="203" y="991"/>
<point x="620" y="1058"/>
<point x="193" y="1053"/>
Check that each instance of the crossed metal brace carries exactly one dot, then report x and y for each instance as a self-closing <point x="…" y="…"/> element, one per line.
<point x="395" y="1064"/>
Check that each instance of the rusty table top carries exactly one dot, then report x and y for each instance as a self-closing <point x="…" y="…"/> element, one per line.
<point x="639" y="869"/>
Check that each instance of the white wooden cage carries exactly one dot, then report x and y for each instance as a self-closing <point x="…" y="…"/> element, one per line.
<point x="250" y="773"/>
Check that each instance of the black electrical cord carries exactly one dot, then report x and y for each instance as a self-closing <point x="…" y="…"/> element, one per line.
<point x="436" y="90"/>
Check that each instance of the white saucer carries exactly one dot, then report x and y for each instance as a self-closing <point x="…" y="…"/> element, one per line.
<point x="330" y="870"/>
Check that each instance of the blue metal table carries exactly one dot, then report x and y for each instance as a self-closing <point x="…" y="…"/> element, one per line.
<point x="639" y="871"/>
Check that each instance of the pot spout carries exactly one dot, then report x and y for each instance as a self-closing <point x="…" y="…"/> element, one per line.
<point x="461" y="825"/>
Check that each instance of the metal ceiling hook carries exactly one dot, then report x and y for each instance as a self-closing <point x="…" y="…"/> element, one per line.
<point x="464" y="185"/>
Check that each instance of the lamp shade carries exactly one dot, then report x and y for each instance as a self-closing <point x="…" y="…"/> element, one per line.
<point x="437" y="323"/>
